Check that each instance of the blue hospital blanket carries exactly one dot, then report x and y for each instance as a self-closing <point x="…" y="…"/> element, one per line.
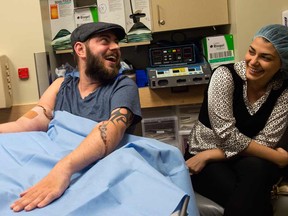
<point x="141" y="177"/>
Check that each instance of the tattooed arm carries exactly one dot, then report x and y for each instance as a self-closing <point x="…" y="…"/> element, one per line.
<point x="102" y="140"/>
<point x="121" y="118"/>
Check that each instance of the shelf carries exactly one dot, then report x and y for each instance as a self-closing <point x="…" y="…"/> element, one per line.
<point x="63" y="51"/>
<point x="150" y="98"/>
<point x="134" y="44"/>
<point x="121" y="45"/>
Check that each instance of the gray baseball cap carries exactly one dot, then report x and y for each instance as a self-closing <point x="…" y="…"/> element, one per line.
<point x="87" y="30"/>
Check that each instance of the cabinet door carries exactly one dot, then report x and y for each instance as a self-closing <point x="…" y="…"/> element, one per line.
<point x="181" y="14"/>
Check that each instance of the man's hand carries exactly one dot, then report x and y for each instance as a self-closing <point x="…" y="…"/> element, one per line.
<point x="44" y="192"/>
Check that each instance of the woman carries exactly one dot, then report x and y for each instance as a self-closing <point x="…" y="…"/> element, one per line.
<point x="234" y="156"/>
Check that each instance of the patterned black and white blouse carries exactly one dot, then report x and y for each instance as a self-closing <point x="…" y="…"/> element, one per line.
<point x="224" y="134"/>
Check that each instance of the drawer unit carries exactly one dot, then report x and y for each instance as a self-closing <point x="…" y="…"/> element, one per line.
<point x="187" y="116"/>
<point x="164" y="129"/>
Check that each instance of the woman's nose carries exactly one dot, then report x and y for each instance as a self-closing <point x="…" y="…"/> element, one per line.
<point x="254" y="60"/>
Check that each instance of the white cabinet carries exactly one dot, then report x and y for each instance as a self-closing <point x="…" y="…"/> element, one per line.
<point x="170" y="15"/>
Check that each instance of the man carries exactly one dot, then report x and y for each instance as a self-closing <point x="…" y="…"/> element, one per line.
<point x="98" y="94"/>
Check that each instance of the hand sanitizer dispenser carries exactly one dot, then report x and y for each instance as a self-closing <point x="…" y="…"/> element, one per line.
<point x="285" y="18"/>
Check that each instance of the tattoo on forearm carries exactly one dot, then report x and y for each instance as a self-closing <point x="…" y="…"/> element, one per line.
<point x="49" y="116"/>
<point x="103" y="134"/>
<point x="118" y="116"/>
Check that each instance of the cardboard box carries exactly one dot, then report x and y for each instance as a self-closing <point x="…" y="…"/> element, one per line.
<point x="118" y="11"/>
<point x="61" y="16"/>
<point x="85" y="14"/>
<point x="219" y="49"/>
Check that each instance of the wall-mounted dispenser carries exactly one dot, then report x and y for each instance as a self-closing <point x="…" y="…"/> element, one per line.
<point x="285" y="18"/>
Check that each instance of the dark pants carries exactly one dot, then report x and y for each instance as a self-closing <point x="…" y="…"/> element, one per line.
<point x="241" y="185"/>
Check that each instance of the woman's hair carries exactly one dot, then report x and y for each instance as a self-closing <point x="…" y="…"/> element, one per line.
<point x="277" y="35"/>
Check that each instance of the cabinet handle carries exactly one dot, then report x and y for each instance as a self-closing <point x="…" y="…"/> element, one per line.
<point x="160" y="21"/>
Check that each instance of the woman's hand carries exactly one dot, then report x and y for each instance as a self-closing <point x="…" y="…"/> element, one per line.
<point x="199" y="161"/>
<point x="278" y="156"/>
<point x="283" y="157"/>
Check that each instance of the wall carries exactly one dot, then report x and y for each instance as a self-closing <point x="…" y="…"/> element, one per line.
<point x="248" y="16"/>
<point x="22" y="36"/>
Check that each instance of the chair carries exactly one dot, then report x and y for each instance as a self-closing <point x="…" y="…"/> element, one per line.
<point x="207" y="207"/>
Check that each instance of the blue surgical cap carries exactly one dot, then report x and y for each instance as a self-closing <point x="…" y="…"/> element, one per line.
<point x="277" y="35"/>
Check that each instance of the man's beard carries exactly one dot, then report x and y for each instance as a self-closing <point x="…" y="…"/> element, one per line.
<point x="96" y="70"/>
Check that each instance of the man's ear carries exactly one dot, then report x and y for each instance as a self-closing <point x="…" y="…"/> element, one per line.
<point x="80" y="49"/>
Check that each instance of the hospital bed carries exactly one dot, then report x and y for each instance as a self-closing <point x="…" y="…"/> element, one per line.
<point x="142" y="176"/>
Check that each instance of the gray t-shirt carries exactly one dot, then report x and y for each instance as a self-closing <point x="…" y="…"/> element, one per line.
<point x="99" y="104"/>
